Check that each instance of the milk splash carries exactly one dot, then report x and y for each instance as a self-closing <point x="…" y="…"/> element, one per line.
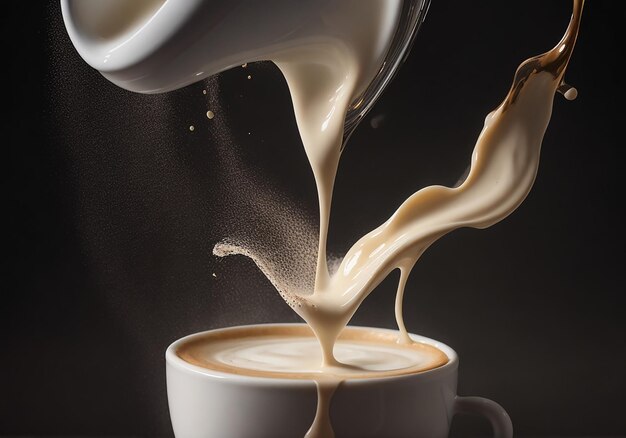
<point x="503" y="168"/>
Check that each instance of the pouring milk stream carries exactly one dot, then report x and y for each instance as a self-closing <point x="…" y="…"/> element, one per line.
<point x="333" y="55"/>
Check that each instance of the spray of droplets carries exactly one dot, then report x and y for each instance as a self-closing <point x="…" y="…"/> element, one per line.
<point x="263" y="225"/>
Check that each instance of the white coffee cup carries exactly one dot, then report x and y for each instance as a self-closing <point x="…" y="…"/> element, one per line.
<point x="208" y="403"/>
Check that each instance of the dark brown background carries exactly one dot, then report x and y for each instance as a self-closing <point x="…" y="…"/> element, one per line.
<point x="113" y="210"/>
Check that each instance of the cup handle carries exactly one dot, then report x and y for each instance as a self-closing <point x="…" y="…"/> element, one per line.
<point x="497" y="416"/>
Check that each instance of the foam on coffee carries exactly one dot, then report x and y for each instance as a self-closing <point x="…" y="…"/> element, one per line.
<point x="292" y="352"/>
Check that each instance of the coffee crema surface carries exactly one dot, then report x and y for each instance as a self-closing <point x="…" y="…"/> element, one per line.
<point x="293" y="352"/>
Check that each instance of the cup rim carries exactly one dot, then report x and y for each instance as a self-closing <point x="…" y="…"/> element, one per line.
<point x="176" y="362"/>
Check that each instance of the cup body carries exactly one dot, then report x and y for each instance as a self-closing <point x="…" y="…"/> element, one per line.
<point x="206" y="403"/>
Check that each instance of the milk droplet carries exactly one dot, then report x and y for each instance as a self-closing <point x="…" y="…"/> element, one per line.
<point x="571" y="94"/>
<point x="191" y="128"/>
<point x="568" y="92"/>
<point x="377" y="121"/>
